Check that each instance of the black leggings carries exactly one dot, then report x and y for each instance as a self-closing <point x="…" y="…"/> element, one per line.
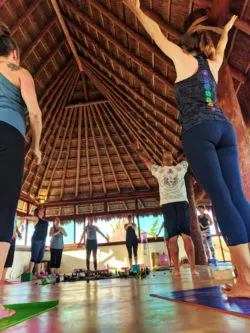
<point x="91" y="246"/>
<point x="55" y="258"/>
<point x="11" y="173"/>
<point x="131" y="246"/>
<point x="10" y="256"/>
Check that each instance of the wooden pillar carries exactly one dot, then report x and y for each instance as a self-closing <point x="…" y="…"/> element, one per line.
<point x="84" y="225"/>
<point x="27" y="225"/>
<point x="200" y="257"/>
<point x="227" y="100"/>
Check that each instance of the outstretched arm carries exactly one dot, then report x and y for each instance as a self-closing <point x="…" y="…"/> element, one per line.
<point x="170" y="49"/>
<point x="142" y="156"/>
<point x="221" y="46"/>
<point x="98" y="230"/>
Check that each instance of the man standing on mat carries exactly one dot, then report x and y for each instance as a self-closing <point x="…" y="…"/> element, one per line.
<point x="174" y="204"/>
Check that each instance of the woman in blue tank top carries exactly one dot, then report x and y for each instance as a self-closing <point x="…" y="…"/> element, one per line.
<point x="56" y="246"/>
<point x="17" y="99"/>
<point x="208" y="137"/>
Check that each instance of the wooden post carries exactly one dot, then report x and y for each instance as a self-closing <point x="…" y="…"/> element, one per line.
<point x="84" y="225"/>
<point x="200" y="257"/>
<point x="27" y="225"/>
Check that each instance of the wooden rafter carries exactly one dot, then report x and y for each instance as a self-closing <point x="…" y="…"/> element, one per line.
<point x="55" y="140"/>
<point x="68" y="93"/>
<point x="60" y="150"/>
<point x="23" y="18"/>
<point x="73" y="106"/>
<point x="114" y="145"/>
<point x="124" y="50"/>
<point x="65" y="163"/>
<point x="66" y="33"/>
<point x="105" y="146"/>
<point x="84" y="87"/>
<point x="89" y="111"/>
<point x="37" y="40"/>
<point x="172" y="127"/>
<point x="87" y="150"/>
<point x="118" y="65"/>
<point x="113" y="87"/>
<point x="49" y="58"/>
<point x="2" y="3"/>
<point x="54" y="82"/>
<point x="79" y="140"/>
<point x="60" y="93"/>
<point x="117" y="125"/>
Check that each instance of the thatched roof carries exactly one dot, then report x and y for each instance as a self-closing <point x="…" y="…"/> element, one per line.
<point x="103" y="84"/>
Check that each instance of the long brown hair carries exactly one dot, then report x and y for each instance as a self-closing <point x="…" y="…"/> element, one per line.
<point x="7" y="43"/>
<point x="200" y="41"/>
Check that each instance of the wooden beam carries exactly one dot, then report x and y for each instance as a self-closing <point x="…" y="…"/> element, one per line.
<point x="87" y="150"/>
<point x="219" y="12"/>
<point x="2" y="3"/>
<point x="67" y="94"/>
<point x="114" y="145"/>
<point x="60" y="150"/>
<point x="55" y="81"/>
<point x="48" y="58"/>
<point x="37" y="40"/>
<point x="23" y="18"/>
<point x="104" y="199"/>
<point x="105" y="146"/>
<point x="84" y="87"/>
<point x="136" y="36"/>
<point x="242" y="25"/>
<point x="66" y="33"/>
<point x="89" y="108"/>
<point x="123" y="49"/>
<point x="117" y="64"/>
<point x="79" y="105"/>
<point x="116" y="126"/>
<point x="79" y="140"/>
<point x="65" y="163"/>
<point x="60" y="91"/>
<point x="123" y="96"/>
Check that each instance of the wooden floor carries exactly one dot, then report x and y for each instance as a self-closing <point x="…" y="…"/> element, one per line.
<point x="122" y="306"/>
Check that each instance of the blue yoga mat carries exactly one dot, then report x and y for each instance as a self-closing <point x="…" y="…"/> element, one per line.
<point x="211" y="297"/>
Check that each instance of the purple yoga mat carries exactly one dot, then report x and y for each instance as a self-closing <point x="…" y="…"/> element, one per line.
<point x="212" y="298"/>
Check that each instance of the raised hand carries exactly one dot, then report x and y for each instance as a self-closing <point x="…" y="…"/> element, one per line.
<point x="38" y="155"/>
<point x="230" y="23"/>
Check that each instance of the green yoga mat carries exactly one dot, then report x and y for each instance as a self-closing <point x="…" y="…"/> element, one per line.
<point x="25" y="311"/>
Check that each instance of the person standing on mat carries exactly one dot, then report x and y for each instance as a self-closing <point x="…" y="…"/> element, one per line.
<point x="91" y="244"/>
<point x="166" y="239"/>
<point x="38" y="239"/>
<point x="206" y="222"/>
<point x="131" y="240"/>
<point x="17" y="100"/>
<point x="208" y="137"/>
<point x="174" y="204"/>
<point x="56" y="246"/>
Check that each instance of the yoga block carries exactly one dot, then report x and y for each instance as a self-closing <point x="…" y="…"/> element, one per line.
<point x="26" y="277"/>
<point x="135" y="268"/>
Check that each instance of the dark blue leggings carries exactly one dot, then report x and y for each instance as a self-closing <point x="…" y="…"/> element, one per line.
<point x="212" y="153"/>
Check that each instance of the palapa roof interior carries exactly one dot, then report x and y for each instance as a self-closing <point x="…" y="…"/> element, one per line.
<point x="118" y="91"/>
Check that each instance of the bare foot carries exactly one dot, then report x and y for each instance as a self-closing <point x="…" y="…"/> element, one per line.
<point x="239" y="289"/>
<point x="176" y="274"/>
<point x="6" y="313"/>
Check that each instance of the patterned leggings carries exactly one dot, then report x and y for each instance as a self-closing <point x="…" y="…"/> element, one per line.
<point x="208" y="243"/>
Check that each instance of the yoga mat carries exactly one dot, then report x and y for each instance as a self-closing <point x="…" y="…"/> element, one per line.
<point x="212" y="298"/>
<point x="25" y="311"/>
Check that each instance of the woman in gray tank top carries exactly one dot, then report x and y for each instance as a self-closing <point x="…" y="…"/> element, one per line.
<point x="91" y="244"/>
<point x="56" y="246"/>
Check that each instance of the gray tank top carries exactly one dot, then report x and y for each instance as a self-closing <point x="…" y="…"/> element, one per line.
<point x="91" y="232"/>
<point x="57" y="241"/>
<point x="13" y="110"/>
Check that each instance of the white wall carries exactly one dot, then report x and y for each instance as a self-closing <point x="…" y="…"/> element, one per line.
<point x="114" y="255"/>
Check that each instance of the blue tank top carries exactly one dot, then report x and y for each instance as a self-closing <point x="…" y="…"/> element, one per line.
<point x="41" y="230"/>
<point x="57" y="241"/>
<point x="196" y="97"/>
<point x="13" y="110"/>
